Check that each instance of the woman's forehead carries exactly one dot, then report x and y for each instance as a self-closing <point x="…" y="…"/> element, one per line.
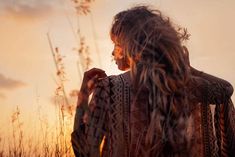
<point x="115" y="39"/>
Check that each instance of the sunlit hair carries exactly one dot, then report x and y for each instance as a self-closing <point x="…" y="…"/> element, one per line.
<point x="154" y="46"/>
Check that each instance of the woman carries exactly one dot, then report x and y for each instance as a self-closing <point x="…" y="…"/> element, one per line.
<point x="160" y="106"/>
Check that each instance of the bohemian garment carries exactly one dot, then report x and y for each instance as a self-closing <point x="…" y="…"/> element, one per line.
<point x="116" y="125"/>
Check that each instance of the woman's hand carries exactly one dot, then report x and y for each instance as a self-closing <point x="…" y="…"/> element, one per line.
<point x="89" y="80"/>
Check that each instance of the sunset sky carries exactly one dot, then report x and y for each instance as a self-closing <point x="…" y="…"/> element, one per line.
<point x="27" y="70"/>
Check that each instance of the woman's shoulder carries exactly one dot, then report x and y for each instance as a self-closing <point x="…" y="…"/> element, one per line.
<point x="123" y="78"/>
<point x="209" y="82"/>
<point x="211" y="89"/>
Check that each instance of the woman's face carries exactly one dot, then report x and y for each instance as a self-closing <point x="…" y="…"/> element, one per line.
<point x="119" y="57"/>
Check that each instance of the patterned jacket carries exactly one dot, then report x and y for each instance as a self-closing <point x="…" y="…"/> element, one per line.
<point x="115" y="125"/>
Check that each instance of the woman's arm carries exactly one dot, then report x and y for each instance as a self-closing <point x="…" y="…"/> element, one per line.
<point x="79" y="139"/>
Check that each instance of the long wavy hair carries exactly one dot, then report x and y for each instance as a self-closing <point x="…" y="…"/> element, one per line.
<point x="154" y="47"/>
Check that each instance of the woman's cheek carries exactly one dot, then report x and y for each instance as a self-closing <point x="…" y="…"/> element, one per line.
<point x="122" y="64"/>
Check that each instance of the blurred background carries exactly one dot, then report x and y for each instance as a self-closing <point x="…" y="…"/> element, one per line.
<point x="46" y="45"/>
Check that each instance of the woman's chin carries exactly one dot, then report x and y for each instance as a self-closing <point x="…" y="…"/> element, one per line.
<point x="122" y="68"/>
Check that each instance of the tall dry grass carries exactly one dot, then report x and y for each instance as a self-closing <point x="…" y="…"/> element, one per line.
<point x="49" y="140"/>
<point x="46" y="139"/>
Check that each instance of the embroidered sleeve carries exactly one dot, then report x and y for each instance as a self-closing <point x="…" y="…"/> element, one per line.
<point x="90" y="130"/>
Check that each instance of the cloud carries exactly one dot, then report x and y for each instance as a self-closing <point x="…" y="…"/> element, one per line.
<point x="9" y="83"/>
<point x="2" y="96"/>
<point x="26" y="8"/>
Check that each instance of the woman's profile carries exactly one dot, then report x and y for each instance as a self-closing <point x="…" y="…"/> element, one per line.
<point x="160" y="106"/>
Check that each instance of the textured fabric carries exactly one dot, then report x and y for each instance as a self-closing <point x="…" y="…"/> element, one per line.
<point x="120" y="120"/>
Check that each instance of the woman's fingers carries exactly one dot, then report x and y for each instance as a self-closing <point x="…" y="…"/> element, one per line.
<point x="93" y="72"/>
<point x="90" y="78"/>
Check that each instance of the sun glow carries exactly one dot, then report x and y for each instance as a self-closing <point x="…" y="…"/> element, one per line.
<point x="36" y="116"/>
